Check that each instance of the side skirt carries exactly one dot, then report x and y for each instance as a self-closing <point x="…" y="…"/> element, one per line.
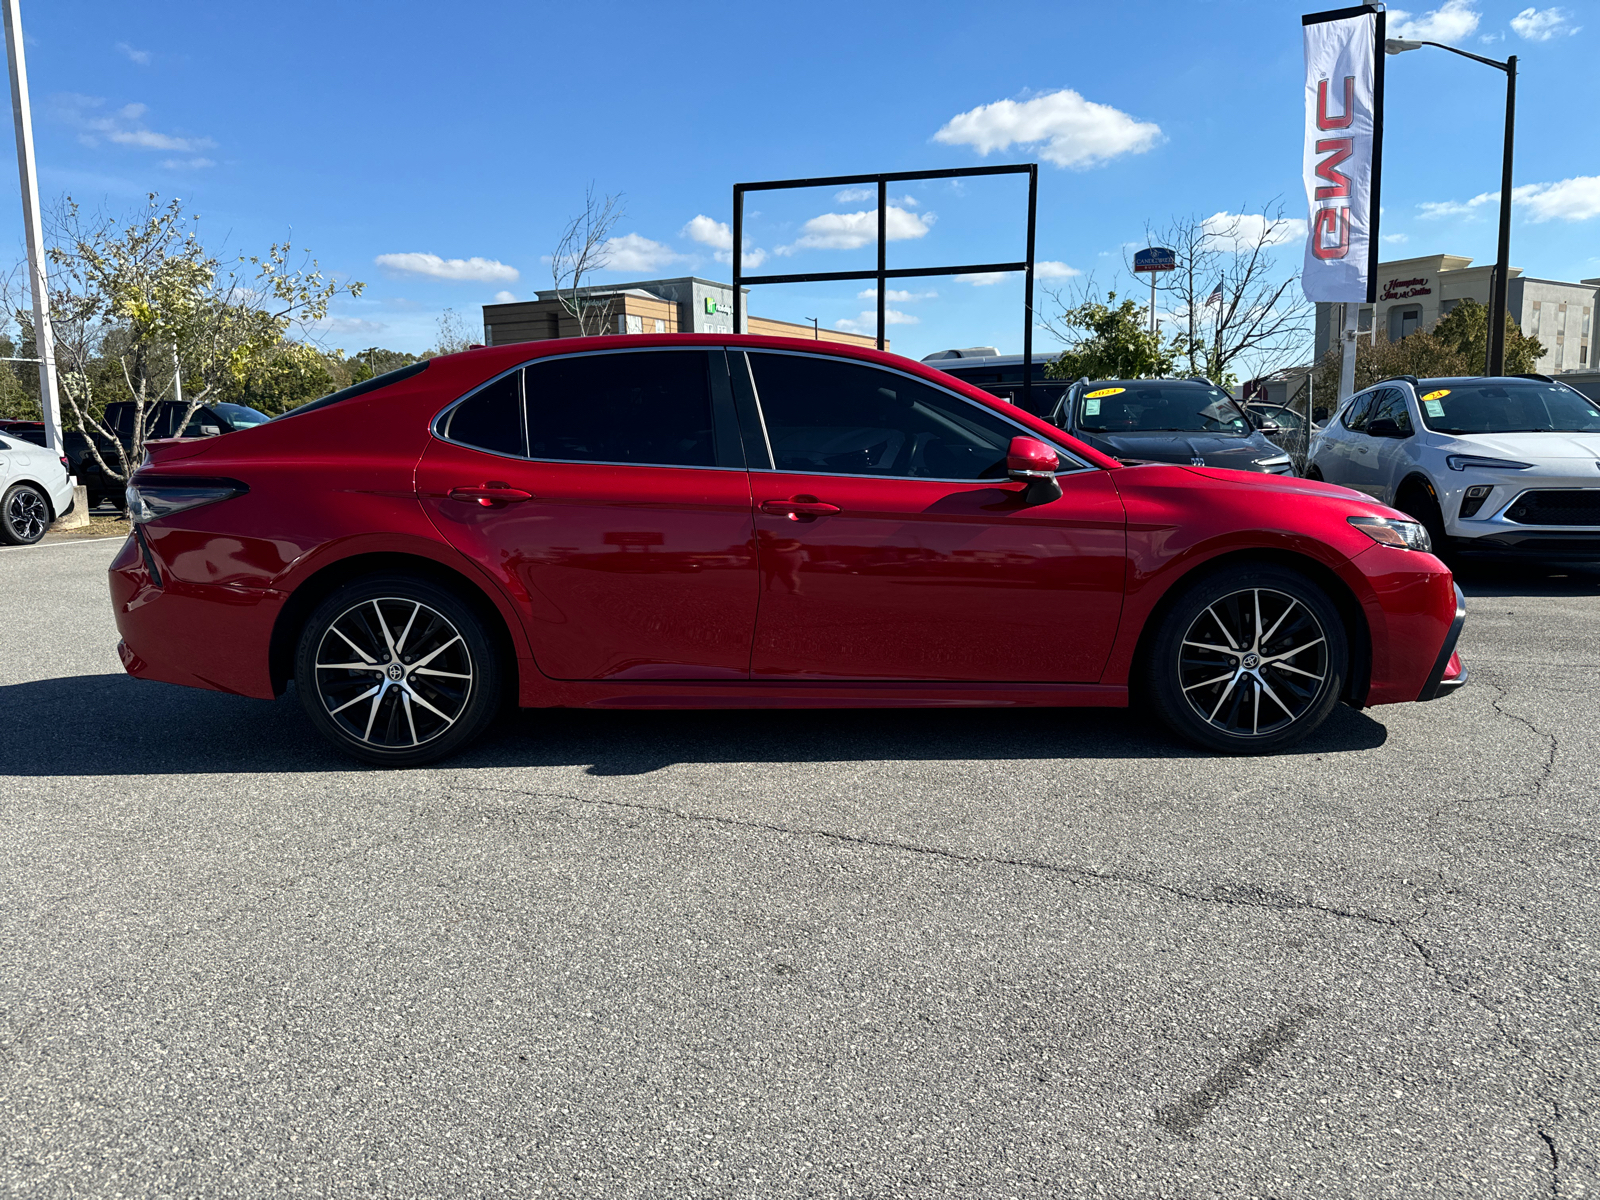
<point x="809" y="694"/>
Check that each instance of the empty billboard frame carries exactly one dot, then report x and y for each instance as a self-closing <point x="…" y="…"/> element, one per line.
<point x="884" y="273"/>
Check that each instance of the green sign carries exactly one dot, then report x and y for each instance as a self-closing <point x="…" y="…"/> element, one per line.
<point x="711" y="305"/>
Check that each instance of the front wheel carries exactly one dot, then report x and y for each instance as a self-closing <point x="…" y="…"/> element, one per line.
<point x="398" y="671"/>
<point x="1248" y="661"/>
<point x="24" y="515"/>
<point x="1417" y="500"/>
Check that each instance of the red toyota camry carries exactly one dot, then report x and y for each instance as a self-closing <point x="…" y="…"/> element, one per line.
<point x="732" y="522"/>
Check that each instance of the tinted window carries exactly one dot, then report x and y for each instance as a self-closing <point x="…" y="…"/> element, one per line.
<point x="1391" y="405"/>
<point x="1502" y="406"/>
<point x="651" y="408"/>
<point x="1355" y="417"/>
<point x="359" y="389"/>
<point x="491" y="418"/>
<point x="1131" y="406"/>
<point x="239" y="416"/>
<point x="838" y="418"/>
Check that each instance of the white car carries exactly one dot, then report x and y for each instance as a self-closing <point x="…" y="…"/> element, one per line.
<point x="1499" y="465"/>
<point x="35" y="489"/>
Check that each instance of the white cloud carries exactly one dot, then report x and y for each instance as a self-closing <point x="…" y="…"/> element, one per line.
<point x="1398" y="239"/>
<point x="1069" y="130"/>
<point x="1490" y="39"/>
<point x="717" y="235"/>
<point x="850" y="231"/>
<point x="897" y="297"/>
<point x="867" y="322"/>
<point x="142" y="57"/>
<point x="1432" y="209"/>
<point x="458" y="270"/>
<point x="1541" y="25"/>
<point x="850" y="195"/>
<point x="122" y="127"/>
<point x="1242" y="232"/>
<point x="187" y="164"/>
<point x="634" y="252"/>
<point x="505" y="297"/>
<point x="1450" y="22"/>
<point x="1043" y="269"/>
<point x="1575" y="199"/>
<point x="349" y="325"/>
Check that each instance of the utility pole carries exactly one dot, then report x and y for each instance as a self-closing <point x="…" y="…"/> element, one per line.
<point x="43" y="336"/>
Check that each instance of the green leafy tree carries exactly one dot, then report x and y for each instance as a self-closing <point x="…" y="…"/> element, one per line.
<point x="291" y="374"/>
<point x="1458" y="344"/>
<point x="138" y="305"/>
<point x="1109" y="341"/>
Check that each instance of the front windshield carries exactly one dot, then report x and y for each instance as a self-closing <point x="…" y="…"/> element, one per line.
<point x="240" y="417"/>
<point x="1504" y="406"/>
<point x="1158" y="408"/>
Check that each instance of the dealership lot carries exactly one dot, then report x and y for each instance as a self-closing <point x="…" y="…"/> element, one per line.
<point x="1023" y="953"/>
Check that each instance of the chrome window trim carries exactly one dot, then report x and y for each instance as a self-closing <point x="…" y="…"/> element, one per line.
<point x="1022" y="430"/>
<point x="440" y="417"/>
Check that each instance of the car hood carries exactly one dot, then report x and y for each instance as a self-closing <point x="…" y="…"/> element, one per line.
<point x="1530" y="447"/>
<point x="1213" y="449"/>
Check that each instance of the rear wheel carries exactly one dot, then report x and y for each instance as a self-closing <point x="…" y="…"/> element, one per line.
<point x="398" y="671"/>
<point x="1248" y="660"/>
<point x="24" y="515"/>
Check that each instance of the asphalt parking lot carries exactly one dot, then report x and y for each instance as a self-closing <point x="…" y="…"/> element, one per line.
<point x="784" y="954"/>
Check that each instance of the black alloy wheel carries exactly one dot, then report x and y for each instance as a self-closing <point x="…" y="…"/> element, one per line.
<point x="398" y="671"/>
<point x="1248" y="660"/>
<point x="24" y="515"/>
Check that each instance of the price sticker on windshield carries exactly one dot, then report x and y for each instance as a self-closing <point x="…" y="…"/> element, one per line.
<point x="1433" y="402"/>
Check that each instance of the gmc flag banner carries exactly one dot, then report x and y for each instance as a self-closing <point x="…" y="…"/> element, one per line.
<point x="1344" y="152"/>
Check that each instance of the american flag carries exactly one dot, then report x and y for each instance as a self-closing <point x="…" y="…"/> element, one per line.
<point x="1216" y="296"/>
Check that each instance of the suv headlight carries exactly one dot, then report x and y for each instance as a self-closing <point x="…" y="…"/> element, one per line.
<point x="1273" y="463"/>
<point x="152" y="498"/>
<point x="1461" y="462"/>
<point x="1386" y="531"/>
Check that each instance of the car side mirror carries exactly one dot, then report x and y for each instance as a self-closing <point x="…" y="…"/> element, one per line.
<point x="1386" y="427"/>
<point x="1269" y="427"/>
<point x="1033" y="464"/>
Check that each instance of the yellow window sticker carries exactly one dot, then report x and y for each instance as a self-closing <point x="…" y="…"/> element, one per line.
<point x="1102" y="393"/>
<point x="1439" y="395"/>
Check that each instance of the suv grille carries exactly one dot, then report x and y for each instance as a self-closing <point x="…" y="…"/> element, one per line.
<point x="1570" y="506"/>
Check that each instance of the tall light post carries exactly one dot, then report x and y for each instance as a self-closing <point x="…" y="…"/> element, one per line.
<point x="1496" y="364"/>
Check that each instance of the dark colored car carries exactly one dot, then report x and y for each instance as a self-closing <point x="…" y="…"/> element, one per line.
<point x="1190" y="421"/>
<point x="695" y="521"/>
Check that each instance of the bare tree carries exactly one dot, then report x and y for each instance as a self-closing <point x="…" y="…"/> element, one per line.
<point x="581" y="251"/>
<point x="1245" y="313"/>
<point x="454" y="335"/>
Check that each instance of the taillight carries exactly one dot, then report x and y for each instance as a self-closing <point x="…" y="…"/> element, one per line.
<point x="154" y="497"/>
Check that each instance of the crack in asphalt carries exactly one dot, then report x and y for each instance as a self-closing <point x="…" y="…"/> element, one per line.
<point x="1240" y="897"/>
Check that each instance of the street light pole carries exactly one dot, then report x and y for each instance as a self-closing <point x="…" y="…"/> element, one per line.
<point x="43" y="336"/>
<point x="1498" y="305"/>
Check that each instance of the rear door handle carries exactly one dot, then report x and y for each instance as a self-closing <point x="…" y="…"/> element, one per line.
<point x="800" y="506"/>
<point x="490" y="494"/>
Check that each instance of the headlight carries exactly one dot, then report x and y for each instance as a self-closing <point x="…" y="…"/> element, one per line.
<point x="151" y="499"/>
<point x="1460" y="462"/>
<point x="1280" y="460"/>
<point x="1386" y="531"/>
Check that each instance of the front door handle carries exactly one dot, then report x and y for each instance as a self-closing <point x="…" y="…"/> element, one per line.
<point x="800" y="506"/>
<point x="490" y="494"/>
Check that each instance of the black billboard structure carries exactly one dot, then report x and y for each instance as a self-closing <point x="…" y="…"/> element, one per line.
<point x="884" y="273"/>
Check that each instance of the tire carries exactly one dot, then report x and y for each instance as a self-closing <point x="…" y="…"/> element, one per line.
<point x="1312" y="472"/>
<point x="439" y="689"/>
<point x="1416" y="500"/>
<point x="1198" y="673"/>
<point x="24" y="515"/>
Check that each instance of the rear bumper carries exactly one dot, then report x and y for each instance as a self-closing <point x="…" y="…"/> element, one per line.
<point x="1449" y="672"/>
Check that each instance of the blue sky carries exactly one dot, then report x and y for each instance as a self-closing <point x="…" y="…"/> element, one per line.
<point x="435" y="152"/>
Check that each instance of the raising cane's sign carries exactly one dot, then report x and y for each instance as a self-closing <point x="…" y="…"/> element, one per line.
<point x="1343" y="151"/>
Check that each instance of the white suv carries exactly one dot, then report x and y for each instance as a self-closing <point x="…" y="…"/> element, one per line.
<point x="35" y="489"/>
<point x="1500" y="465"/>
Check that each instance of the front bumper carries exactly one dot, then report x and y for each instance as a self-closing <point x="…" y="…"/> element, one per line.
<point x="1449" y="672"/>
<point x="1576" y="545"/>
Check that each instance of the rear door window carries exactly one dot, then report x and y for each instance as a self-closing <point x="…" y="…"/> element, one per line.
<point x="650" y="408"/>
<point x="828" y="417"/>
<point x="491" y="418"/>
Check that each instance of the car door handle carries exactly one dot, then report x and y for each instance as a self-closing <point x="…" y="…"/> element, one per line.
<point x="800" y="506"/>
<point x="490" y="494"/>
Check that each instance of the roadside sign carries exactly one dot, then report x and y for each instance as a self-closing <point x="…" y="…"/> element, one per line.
<point x="1157" y="258"/>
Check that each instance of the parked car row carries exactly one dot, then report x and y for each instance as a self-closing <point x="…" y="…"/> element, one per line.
<point x="35" y="490"/>
<point x="702" y="521"/>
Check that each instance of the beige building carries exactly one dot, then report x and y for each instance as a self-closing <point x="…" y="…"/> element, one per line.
<point x="1413" y="293"/>
<point x="686" y="305"/>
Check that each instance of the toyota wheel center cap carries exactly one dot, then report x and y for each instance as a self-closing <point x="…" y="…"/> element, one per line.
<point x="1252" y="661"/>
<point x="396" y="672"/>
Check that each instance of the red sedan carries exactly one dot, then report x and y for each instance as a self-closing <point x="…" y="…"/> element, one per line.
<point x="735" y="522"/>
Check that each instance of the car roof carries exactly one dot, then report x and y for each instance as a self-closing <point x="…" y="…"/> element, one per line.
<point x="1131" y="383"/>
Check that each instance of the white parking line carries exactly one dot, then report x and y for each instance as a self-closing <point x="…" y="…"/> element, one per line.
<point x="65" y="542"/>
